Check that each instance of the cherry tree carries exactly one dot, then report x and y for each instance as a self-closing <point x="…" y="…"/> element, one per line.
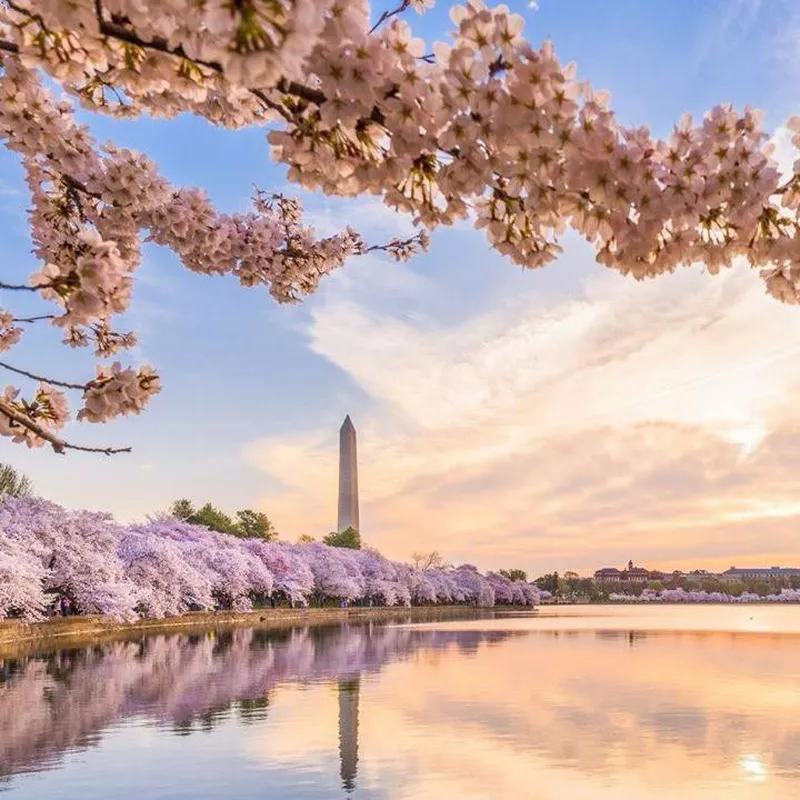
<point x="167" y="584"/>
<point x="22" y="578"/>
<point x="78" y="552"/>
<point x="472" y="587"/>
<point x="167" y="567"/>
<point x="331" y="577"/>
<point x="483" y="126"/>
<point x="680" y="595"/>
<point x="292" y="576"/>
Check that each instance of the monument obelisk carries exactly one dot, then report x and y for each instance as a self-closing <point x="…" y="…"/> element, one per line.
<point x="348" y="476"/>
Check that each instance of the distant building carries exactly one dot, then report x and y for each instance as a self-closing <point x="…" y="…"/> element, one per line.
<point x="608" y="574"/>
<point x="758" y="573"/>
<point x="636" y="575"/>
<point x="697" y="575"/>
<point x="632" y="574"/>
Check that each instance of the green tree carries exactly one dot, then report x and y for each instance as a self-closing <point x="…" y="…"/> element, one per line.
<point x="514" y="574"/>
<point x="795" y="581"/>
<point x="13" y="483"/>
<point x="549" y="583"/>
<point x="255" y="525"/>
<point x="248" y="523"/>
<point x="182" y="509"/>
<point x="761" y="588"/>
<point x="213" y="518"/>
<point x="586" y="588"/>
<point x="711" y="585"/>
<point x="349" y="537"/>
<point x="305" y="538"/>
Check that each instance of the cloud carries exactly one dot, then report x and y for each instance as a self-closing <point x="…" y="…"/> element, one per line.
<point x="785" y="152"/>
<point x="648" y="419"/>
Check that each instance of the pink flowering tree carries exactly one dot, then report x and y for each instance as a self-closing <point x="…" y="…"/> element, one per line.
<point x="292" y="576"/>
<point x="483" y="126"/>
<point x="167" y="584"/>
<point x="472" y="587"/>
<point x="22" y="579"/>
<point x="77" y="551"/>
<point x="332" y="579"/>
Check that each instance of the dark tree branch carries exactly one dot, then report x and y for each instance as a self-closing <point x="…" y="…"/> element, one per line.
<point x="34" y="319"/>
<point x="22" y="288"/>
<point x="59" y="445"/>
<point x="389" y="14"/>
<point x="33" y="377"/>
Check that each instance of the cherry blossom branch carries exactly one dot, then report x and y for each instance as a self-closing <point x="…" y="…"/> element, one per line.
<point x="387" y="15"/>
<point x="59" y="445"/>
<point x="62" y="384"/>
<point x="34" y="319"/>
<point x="19" y="287"/>
<point x="120" y="33"/>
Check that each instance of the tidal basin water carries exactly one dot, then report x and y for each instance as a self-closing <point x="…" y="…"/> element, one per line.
<point x="582" y="702"/>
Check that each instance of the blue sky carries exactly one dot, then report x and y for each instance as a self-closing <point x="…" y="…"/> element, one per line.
<point x="437" y="361"/>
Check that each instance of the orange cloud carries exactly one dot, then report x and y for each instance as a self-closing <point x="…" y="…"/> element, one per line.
<point x="649" y="421"/>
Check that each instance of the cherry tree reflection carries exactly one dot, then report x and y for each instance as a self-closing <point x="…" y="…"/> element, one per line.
<point x="62" y="701"/>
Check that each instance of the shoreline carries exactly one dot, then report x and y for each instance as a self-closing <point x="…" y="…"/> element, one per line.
<point x="62" y="632"/>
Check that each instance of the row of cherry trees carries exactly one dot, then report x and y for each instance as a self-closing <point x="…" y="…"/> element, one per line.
<point x="481" y="126"/>
<point x="166" y="567"/>
<point x="690" y="596"/>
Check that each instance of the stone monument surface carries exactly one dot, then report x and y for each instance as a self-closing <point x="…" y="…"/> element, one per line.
<point x="348" y="477"/>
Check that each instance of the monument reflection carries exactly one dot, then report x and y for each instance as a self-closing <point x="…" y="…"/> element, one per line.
<point x="59" y="702"/>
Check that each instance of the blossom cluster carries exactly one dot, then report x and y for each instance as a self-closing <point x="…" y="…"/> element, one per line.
<point x="699" y="596"/>
<point x="483" y="126"/>
<point x="166" y="567"/>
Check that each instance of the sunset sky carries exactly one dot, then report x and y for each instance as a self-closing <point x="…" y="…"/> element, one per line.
<point x="564" y="419"/>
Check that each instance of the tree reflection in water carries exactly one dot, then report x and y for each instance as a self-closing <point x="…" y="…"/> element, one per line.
<point x="62" y="701"/>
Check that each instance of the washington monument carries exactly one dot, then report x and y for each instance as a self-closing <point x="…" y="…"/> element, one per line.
<point x="348" y="477"/>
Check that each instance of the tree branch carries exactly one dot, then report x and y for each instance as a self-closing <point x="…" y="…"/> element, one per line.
<point x="34" y="319"/>
<point x="30" y="375"/>
<point x="389" y="14"/>
<point x="21" y="288"/>
<point x="58" y="445"/>
<point x="9" y="47"/>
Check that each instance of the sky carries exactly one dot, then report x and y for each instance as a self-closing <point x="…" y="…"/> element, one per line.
<point x="566" y="418"/>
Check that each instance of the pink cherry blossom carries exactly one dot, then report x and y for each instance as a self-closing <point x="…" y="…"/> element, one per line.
<point x="482" y="126"/>
<point x="166" y="567"/>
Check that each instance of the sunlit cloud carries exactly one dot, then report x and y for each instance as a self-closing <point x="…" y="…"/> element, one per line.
<point x="644" y="419"/>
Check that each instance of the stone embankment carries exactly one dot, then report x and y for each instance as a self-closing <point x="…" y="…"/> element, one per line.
<point x="64" y="632"/>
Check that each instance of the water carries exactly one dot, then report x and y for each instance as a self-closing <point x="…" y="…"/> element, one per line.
<point x="585" y="703"/>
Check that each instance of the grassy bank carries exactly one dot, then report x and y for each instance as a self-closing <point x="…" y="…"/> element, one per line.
<point x="66" y="632"/>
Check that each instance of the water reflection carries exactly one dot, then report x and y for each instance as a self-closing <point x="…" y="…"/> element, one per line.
<point x="411" y="713"/>
<point x="63" y="701"/>
<point x="348" y="731"/>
